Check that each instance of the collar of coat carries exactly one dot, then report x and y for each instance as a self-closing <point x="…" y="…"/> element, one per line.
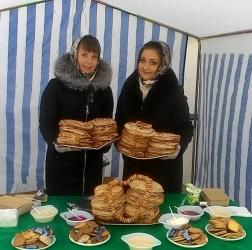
<point x="66" y="71"/>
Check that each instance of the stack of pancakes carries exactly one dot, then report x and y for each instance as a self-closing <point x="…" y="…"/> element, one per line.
<point x="140" y="197"/>
<point x="162" y="144"/>
<point x="93" y="134"/>
<point x="134" y="139"/>
<point x="140" y="204"/>
<point x="76" y="133"/>
<point x="104" y="131"/>
<point x="140" y="140"/>
<point x="101" y="209"/>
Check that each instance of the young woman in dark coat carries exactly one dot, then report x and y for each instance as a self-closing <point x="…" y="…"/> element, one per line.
<point x="152" y="95"/>
<point x="80" y="91"/>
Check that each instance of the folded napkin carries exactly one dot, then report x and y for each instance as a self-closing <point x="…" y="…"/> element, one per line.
<point x="228" y="211"/>
<point x="240" y="211"/>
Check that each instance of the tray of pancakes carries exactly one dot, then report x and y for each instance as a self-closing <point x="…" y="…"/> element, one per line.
<point x="94" y="134"/>
<point x="225" y="229"/>
<point x="34" y="238"/>
<point x="188" y="237"/>
<point x="89" y="233"/>
<point x="140" y="141"/>
<point x="135" y="201"/>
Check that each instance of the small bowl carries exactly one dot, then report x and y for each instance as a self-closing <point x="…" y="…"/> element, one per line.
<point x="218" y="211"/>
<point x="193" y="212"/>
<point x="47" y="213"/>
<point x="174" y="220"/>
<point x="71" y="221"/>
<point x="140" y="241"/>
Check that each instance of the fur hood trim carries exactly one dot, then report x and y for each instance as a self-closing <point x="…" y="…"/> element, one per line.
<point x="67" y="72"/>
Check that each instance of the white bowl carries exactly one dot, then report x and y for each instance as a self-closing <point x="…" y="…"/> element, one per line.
<point x="193" y="212"/>
<point x="44" y="214"/>
<point x="140" y="241"/>
<point x="173" y="220"/>
<point x="218" y="211"/>
<point x="68" y="215"/>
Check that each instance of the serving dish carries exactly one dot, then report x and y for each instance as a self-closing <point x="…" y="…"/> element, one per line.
<point x="170" y="156"/>
<point x="89" y="244"/>
<point x="193" y="212"/>
<point x="184" y="245"/>
<point x="218" y="211"/>
<point x="88" y="148"/>
<point x="44" y="214"/>
<point x="72" y="218"/>
<point x="174" y="220"/>
<point x="40" y="248"/>
<point x="225" y="238"/>
<point x="143" y="241"/>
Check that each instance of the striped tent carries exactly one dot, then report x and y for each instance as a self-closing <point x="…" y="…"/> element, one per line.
<point x="212" y="58"/>
<point x="35" y="36"/>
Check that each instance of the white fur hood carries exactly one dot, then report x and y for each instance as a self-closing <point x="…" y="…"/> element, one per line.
<point x="67" y="72"/>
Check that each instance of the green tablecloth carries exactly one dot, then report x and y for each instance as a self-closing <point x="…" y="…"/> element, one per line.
<point x="61" y="230"/>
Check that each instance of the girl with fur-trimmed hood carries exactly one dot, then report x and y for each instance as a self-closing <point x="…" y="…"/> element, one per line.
<point x="80" y="91"/>
<point x="151" y="94"/>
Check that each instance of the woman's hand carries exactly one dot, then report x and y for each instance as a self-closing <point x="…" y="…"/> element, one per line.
<point x="64" y="149"/>
<point x="171" y="157"/>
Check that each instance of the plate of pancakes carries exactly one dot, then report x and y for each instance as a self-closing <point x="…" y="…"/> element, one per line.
<point x="94" y="134"/>
<point x="140" y="141"/>
<point x="225" y="229"/>
<point x="187" y="237"/>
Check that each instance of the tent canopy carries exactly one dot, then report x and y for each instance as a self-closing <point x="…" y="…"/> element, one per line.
<point x="199" y="18"/>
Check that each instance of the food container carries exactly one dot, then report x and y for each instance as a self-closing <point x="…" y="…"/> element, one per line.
<point x="8" y="217"/>
<point x="218" y="211"/>
<point x="192" y="194"/>
<point x="193" y="212"/>
<point x="71" y="220"/>
<point x="173" y="220"/>
<point x="44" y="214"/>
<point x="140" y="241"/>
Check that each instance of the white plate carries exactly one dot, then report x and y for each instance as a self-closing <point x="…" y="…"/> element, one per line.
<point x="90" y="148"/>
<point x="41" y="248"/>
<point x="182" y="245"/>
<point x="173" y="156"/>
<point x="222" y="238"/>
<point x="89" y="245"/>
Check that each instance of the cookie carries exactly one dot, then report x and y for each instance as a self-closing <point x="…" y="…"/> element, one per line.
<point x="194" y="230"/>
<point x="19" y="240"/>
<point x="45" y="239"/>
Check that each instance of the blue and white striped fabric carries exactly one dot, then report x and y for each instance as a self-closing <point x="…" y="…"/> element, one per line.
<point x="224" y="157"/>
<point x="31" y="38"/>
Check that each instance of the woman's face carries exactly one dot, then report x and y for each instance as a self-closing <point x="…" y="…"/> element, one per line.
<point x="87" y="60"/>
<point x="149" y="64"/>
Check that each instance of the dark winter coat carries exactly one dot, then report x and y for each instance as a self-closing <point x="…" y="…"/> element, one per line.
<point x="67" y="97"/>
<point x="166" y="108"/>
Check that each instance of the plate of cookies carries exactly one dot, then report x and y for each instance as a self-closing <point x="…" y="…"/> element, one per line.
<point x="225" y="229"/>
<point x="34" y="238"/>
<point x="89" y="233"/>
<point x="188" y="237"/>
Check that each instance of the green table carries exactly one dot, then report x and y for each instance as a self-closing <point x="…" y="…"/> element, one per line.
<point x="61" y="230"/>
